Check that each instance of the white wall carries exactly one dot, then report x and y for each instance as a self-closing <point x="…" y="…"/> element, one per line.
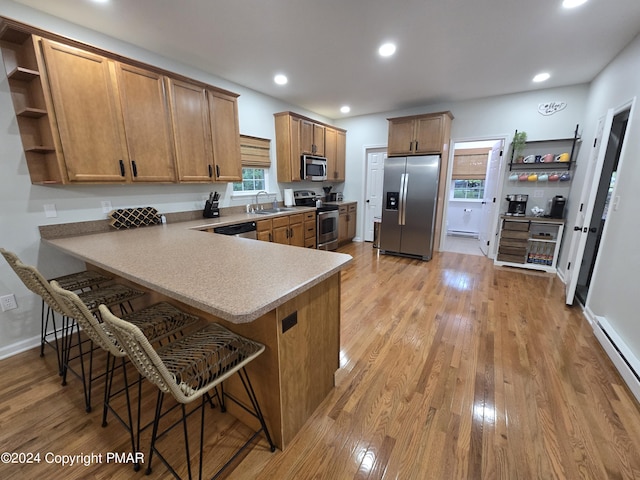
<point x="615" y="283"/>
<point x="492" y="117"/>
<point x="22" y="204"/>
<point x="464" y="216"/>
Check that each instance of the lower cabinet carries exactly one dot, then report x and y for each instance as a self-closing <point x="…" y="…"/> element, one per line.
<point x="532" y="243"/>
<point x="288" y="230"/>
<point x="310" y="230"/>
<point x="264" y="230"/>
<point x="347" y="222"/>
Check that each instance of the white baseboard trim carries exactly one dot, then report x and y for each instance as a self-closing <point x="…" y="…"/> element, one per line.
<point x="620" y="354"/>
<point x="19" y="347"/>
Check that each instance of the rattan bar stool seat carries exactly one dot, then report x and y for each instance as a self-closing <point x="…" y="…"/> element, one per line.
<point x="81" y="280"/>
<point x="192" y="367"/>
<point x="161" y="321"/>
<point x="109" y="295"/>
<point x="205" y="357"/>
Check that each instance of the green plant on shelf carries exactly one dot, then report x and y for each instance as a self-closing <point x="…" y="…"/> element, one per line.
<point x="518" y="143"/>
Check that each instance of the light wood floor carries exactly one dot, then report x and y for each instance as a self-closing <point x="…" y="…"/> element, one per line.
<point x="450" y="369"/>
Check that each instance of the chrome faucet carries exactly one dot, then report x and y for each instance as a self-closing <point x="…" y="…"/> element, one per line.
<point x="261" y="192"/>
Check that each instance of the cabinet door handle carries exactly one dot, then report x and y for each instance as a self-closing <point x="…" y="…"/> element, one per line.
<point x="411" y="146"/>
<point x="416" y="146"/>
<point x="291" y="230"/>
<point x="122" y="168"/>
<point x="210" y="171"/>
<point x="217" y="171"/>
<point x="134" y="167"/>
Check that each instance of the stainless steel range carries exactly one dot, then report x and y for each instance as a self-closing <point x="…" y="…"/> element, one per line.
<point x="326" y="218"/>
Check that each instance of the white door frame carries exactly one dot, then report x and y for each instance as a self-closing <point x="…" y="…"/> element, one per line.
<point x="587" y="200"/>
<point x="589" y="205"/>
<point x="500" y="183"/>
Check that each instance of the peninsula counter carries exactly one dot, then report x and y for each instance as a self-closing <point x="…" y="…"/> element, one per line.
<point x="287" y="298"/>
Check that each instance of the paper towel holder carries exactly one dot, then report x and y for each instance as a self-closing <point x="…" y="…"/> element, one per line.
<point x="288" y="197"/>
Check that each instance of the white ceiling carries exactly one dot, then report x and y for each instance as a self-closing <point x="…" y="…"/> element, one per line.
<point x="448" y="50"/>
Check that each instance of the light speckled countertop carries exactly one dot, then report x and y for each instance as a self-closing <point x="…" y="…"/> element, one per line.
<point x="237" y="279"/>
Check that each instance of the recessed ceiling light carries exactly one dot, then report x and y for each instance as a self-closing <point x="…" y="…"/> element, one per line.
<point x="573" y="3"/>
<point x="387" y="49"/>
<point x="280" y="79"/>
<point x="541" y="77"/>
<point x="345" y="109"/>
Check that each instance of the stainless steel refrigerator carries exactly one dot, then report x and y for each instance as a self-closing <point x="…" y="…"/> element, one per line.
<point x="409" y="199"/>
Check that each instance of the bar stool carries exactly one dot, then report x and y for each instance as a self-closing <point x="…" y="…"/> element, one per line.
<point x="75" y="282"/>
<point x="110" y="295"/>
<point x="190" y="369"/>
<point x="158" y="322"/>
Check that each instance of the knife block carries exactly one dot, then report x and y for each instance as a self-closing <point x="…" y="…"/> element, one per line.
<point x="211" y="210"/>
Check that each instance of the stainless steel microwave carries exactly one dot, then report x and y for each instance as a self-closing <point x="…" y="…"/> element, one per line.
<point x="313" y="168"/>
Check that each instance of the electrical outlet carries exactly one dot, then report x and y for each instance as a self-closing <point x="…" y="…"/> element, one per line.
<point x="50" y="210"/>
<point x="8" y="302"/>
<point x="106" y="206"/>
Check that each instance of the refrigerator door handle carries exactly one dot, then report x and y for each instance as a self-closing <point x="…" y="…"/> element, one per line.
<point x="402" y="201"/>
<point x="404" y="198"/>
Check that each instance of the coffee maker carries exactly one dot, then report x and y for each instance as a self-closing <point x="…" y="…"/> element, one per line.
<point x="517" y="205"/>
<point x="556" y="210"/>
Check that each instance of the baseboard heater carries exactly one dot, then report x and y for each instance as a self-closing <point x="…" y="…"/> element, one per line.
<point x="462" y="233"/>
<point x="622" y="357"/>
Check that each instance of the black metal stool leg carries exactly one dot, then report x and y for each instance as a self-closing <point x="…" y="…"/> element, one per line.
<point x="108" y="383"/>
<point x="186" y="439"/>
<point x="254" y="402"/>
<point x="154" y="433"/>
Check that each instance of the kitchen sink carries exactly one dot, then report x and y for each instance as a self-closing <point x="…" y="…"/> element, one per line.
<point x="273" y="210"/>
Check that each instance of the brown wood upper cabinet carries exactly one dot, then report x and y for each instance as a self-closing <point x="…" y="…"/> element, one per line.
<point x="88" y="116"/>
<point x="206" y="133"/>
<point x="225" y="135"/>
<point x="419" y="134"/>
<point x="335" y="151"/>
<point x="147" y="124"/>
<point x="312" y="137"/>
<point x="297" y="135"/>
<point x="190" y="118"/>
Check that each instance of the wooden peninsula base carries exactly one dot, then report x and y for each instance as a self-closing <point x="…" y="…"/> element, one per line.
<point x="296" y="371"/>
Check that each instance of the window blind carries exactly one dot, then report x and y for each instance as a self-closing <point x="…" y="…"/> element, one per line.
<point x="255" y="151"/>
<point x="470" y="164"/>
